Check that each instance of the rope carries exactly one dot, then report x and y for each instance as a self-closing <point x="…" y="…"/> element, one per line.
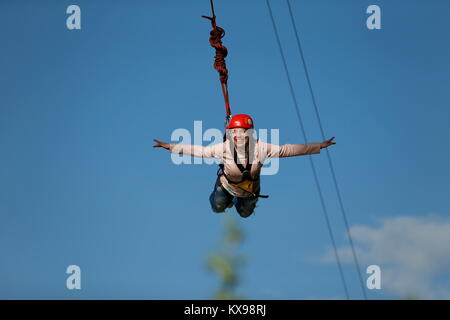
<point x="215" y="39"/>
<point x="344" y="215"/>
<point x="325" y="213"/>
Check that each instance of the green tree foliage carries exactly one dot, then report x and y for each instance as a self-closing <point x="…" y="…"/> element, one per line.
<point x="226" y="262"/>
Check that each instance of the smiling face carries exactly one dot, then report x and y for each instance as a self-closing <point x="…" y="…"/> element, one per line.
<point x="240" y="136"/>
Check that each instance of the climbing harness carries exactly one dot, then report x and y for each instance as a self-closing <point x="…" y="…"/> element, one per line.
<point x="247" y="182"/>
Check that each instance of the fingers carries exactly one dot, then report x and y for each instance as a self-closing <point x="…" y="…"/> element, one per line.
<point x="329" y="142"/>
<point x="158" y="144"/>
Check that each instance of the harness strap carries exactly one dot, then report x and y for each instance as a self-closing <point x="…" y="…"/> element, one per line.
<point x="247" y="181"/>
<point x="245" y="171"/>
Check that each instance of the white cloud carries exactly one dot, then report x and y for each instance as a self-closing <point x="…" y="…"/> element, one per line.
<point x="413" y="253"/>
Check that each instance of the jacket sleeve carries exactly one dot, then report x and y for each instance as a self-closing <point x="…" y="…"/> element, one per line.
<point x="291" y="150"/>
<point x="211" y="151"/>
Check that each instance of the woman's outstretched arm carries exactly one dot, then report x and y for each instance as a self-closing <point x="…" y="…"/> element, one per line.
<point x="212" y="151"/>
<point x="292" y="150"/>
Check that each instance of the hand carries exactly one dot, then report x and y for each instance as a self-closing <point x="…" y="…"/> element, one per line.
<point x="327" y="143"/>
<point x="160" y="144"/>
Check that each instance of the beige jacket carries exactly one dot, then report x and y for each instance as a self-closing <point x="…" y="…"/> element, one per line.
<point x="262" y="151"/>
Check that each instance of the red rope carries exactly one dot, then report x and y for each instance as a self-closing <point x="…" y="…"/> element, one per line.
<point x="216" y="34"/>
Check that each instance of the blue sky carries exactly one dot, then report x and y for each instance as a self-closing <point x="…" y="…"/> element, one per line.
<point x="80" y="183"/>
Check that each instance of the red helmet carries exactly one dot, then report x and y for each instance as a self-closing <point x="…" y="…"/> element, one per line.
<point x="241" y="121"/>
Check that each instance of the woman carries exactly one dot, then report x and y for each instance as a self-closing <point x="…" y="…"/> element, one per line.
<point x="242" y="156"/>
